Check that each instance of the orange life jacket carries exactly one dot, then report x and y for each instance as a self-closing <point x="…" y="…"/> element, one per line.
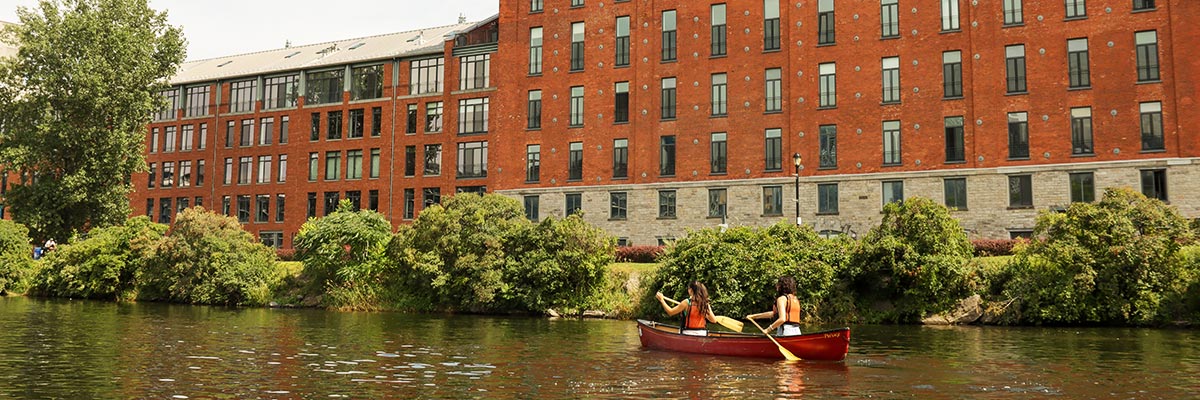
<point x="694" y="318"/>
<point x="792" y="312"/>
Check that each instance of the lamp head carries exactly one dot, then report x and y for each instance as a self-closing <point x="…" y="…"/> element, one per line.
<point x="796" y="159"/>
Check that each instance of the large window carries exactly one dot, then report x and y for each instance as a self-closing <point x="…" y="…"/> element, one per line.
<point x="531" y="207"/>
<point x="433" y="160"/>
<point x="772" y="200"/>
<point x="264" y="169"/>
<point x="825" y="29"/>
<point x="718" y="151"/>
<point x="621" y="158"/>
<point x="263" y="204"/>
<point x="577" y="46"/>
<point x="1076" y="8"/>
<point x="667" y="204"/>
<point x="187" y="136"/>
<point x="893" y="191"/>
<point x="774" y="90"/>
<point x="622" y="45"/>
<point x="153" y="141"/>
<point x="952" y="79"/>
<point x="1147" y="55"/>
<point x="718" y="41"/>
<point x="1012" y="12"/>
<point x="410" y="160"/>
<point x="891" y="143"/>
<point x="333" y="130"/>
<point x="314" y="134"/>
<point x="165" y="212"/>
<point x="197" y="101"/>
<point x="312" y="205"/>
<point x="668" y="36"/>
<point x="356" y="124"/>
<point x="1077" y="63"/>
<point x="472" y="160"/>
<point x="410" y="200"/>
<point x="245" y="170"/>
<point x="827" y="198"/>
<point x="266" y="130"/>
<point x="534" y="110"/>
<point x="473" y="115"/>
<point x="828" y="85"/>
<point x="1083" y="187"/>
<point x="535" y="6"/>
<point x="575" y="162"/>
<point x="954" y="139"/>
<point x="1152" y="126"/>
<point x="574" y="203"/>
<point x="770" y="25"/>
<point x="331" y="202"/>
<point x="281" y="91"/>
<point x="431" y="196"/>
<point x="168" y="174"/>
<point x="955" y="193"/>
<point x="1154" y="184"/>
<point x="533" y="163"/>
<point x="228" y="172"/>
<point x="828" y="149"/>
<point x="621" y="102"/>
<point x="313" y="166"/>
<point x="1015" y="67"/>
<point x="367" y="82"/>
<point x="1018" y="135"/>
<point x="433" y="117"/>
<point x="280" y="175"/>
<point x="376" y="122"/>
<point x="618" y="205"/>
<point x="576" y="107"/>
<point x="720" y="96"/>
<point x="667" y="107"/>
<point x="170" y="103"/>
<point x="666" y="156"/>
<point x="889" y="13"/>
<point x="891" y="79"/>
<point x="1020" y="191"/>
<point x="169" y="139"/>
<point x="474" y="72"/>
<point x="410" y="123"/>
<point x="199" y="174"/>
<point x="1081" y="131"/>
<point x="324" y="87"/>
<point x="535" y="50"/>
<point x="774" y="149"/>
<point x="243" y="208"/>
<point x="950" y="15"/>
<point x="425" y="76"/>
<point x="717" y="203"/>
<point x="354" y="161"/>
<point x="241" y="95"/>
<point x="1139" y="5"/>
<point x="246" y="138"/>
<point x="333" y="165"/>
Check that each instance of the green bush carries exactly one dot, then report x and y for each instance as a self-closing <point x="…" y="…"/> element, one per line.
<point x="16" y="262"/>
<point x="346" y="246"/>
<point x="108" y="264"/>
<point x="911" y="265"/>
<point x="208" y="258"/>
<point x="1111" y="262"/>
<point x="558" y="263"/>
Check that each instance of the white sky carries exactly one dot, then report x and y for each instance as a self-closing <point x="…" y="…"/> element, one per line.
<point x="216" y="28"/>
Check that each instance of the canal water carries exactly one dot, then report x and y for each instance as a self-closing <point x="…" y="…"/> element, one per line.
<point x="85" y="349"/>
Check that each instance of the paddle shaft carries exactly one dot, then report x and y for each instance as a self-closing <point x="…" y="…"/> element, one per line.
<point x="786" y="354"/>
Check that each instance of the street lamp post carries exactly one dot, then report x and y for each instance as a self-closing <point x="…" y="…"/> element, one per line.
<point x="796" y="162"/>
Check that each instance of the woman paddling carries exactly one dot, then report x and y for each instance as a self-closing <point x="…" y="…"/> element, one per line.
<point x="787" y="321"/>
<point x="695" y="309"/>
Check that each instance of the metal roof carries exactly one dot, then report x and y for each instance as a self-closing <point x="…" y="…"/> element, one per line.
<point x="341" y="52"/>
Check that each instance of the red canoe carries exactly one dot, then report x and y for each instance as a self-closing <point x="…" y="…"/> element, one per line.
<point x="831" y="345"/>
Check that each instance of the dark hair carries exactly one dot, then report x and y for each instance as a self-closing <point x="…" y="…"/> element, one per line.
<point x="786" y="285"/>
<point x="699" y="296"/>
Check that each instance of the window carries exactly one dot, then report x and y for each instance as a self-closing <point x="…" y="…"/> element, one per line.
<point x="720" y="96"/>
<point x="952" y="80"/>
<point x="668" y="36"/>
<point x="243" y="208"/>
<point x="893" y="191"/>
<point x="576" y="3"/>
<point x="228" y="170"/>
<point x="621" y="158"/>
<point x="473" y="116"/>
<point x="1147" y="55"/>
<point x="331" y="202"/>
<point x="245" y="169"/>
<point x="828" y="150"/>
<point x="354" y="164"/>
<point x="355" y="197"/>
<point x="245" y="139"/>
<point x="1152" y="128"/>
<point x="828" y="85"/>
<point x="271" y="239"/>
<point x="164" y="210"/>
<point x="263" y="204"/>
<point x="410" y="197"/>
<point x="954" y="139"/>
<point x="168" y="174"/>
<point x="716" y="203"/>
<point x="410" y="123"/>
<point x="891" y="143"/>
<point x="533" y="163"/>
<point x="535" y="6"/>
<point x="718" y="153"/>
<point x="576" y="106"/>
<point x="281" y="91"/>
<point x="1015" y="67"/>
<point x="264" y="169"/>
<point x="575" y="162"/>
<point x="1077" y="61"/>
<point x="367" y="82"/>
<point x="425" y="76"/>
<point x="333" y="165"/>
<point x="955" y="192"/>
<point x="825" y="22"/>
<point x="772" y="200"/>
<point x="668" y="98"/>
<point x="153" y="140"/>
<point x="531" y="207"/>
<point x="666" y="156"/>
<point x="574" y="203"/>
<point x="376" y="122"/>
<point x="315" y="131"/>
<point x="889" y="14"/>
<point x="618" y="203"/>
<point x="230" y="131"/>
<point x="534" y="110"/>
<point x="312" y="205"/>
<point x="666" y="204"/>
<point x="1020" y="191"/>
<point x="717" y="13"/>
<point x="535" y="50"/>
<point x="410" y="160"/>
<point x="622" y="47"/>
<point x="266" y="129"/>
<point x="374" y="172"/>
<point x="197" y="101"/>
<point x="199" y="174"/>
<point x="827" y="198"/>
<point x="621" y="100"/>
<point x="313" y="159"/>
<point x="891" y="80"/>
<point x="472" y="159"/>
<point x="324" y="87"/>
<point x="152" y="175"/>
<point x="333" y="131"/>
<point x="1081" y="131"/>
<point x="170" y="104"/>
<point x="1083" y="187"/>
<point x="169" y="139"/>
<point x="949" y="15"/>
<point x="433" y="160"/>
<point x="475" y="72"/>
<point x="577" y="32"/>
<point x="1012" y="13"/>
<point x="431" y="196"/>
<point x="1139" y="5"/>
<point x="1154" y="184"/>
<point x="433" y="117"/>
<point x="281" y="176"/>
<point x="774" y="149"/>
<point x="1018" y="135"/>
<point x="1076" y="9"/>
<point x="356" y="124"/>
<point x="241" y="95"/>
<point x="150" y="208"/>
<point x="774" y="90"/>
<point x="204" y="135"/>
<point x="770" y="25"/>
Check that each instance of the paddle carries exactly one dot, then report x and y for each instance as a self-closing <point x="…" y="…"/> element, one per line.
<point x="786" y="354"/>
<point x="728" y="323"/>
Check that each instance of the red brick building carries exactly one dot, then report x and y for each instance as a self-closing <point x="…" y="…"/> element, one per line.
<point x="654" y="117"/>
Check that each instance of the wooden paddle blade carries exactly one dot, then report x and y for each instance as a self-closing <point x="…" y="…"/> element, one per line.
<point x="730" y="323"/>
<point x="786" y="354"/>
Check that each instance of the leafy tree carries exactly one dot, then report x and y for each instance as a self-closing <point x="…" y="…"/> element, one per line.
<point x="347" y="246"/>
<point x="107" y="265"/>
<point x="74" y="103"/>
<point x="558" y="263"/>
<point x="16" y="265"/>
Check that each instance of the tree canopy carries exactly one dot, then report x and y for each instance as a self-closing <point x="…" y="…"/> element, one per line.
<point x="74" y="103"/>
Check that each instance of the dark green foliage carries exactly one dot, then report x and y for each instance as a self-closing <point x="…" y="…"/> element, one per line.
<point x="558" y="263"/>
<point x="16" y="263"/>
<point x="344" y="250"/>
<point x="911" y="265"/>
<point x="1111" y="262"/>
<point x="208" y="258"/>
<point x="108" y="264"/>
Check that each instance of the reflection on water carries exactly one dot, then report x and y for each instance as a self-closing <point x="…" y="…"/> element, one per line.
<point x="82" y="349"/>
